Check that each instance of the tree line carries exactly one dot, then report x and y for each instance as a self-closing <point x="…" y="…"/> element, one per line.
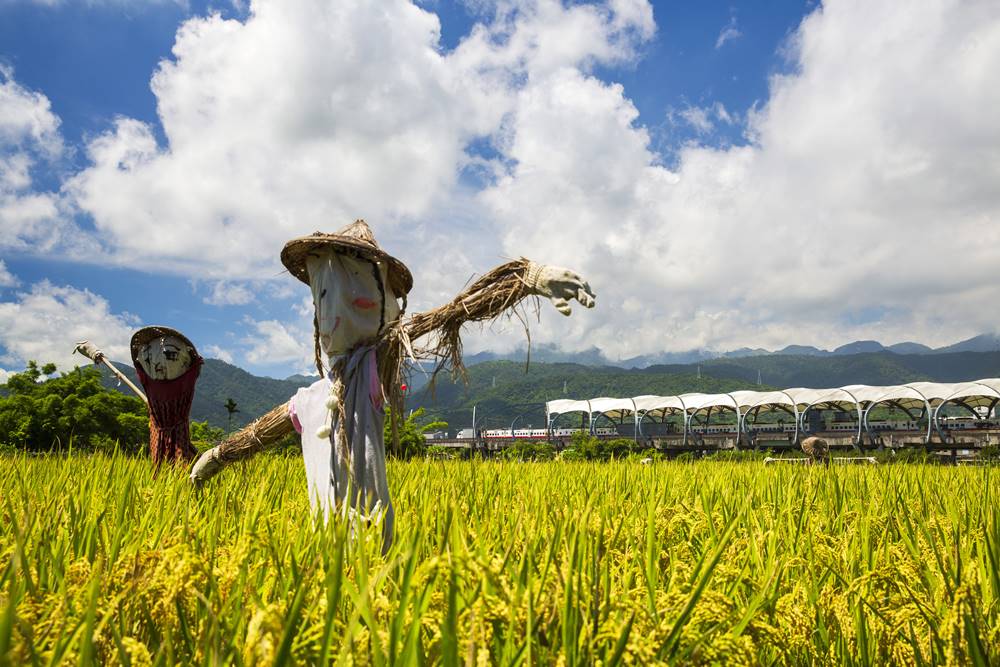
<point x="41" y="411"/>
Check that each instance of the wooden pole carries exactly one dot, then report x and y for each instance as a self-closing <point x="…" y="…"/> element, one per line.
<point x="89" y="350"/>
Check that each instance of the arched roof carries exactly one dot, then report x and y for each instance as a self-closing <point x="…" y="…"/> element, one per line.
<point x="832" y="399"/>
<point x="695" y="403"/>
<point x="857" y="397"/>
<point x="564" y="406"/>
<point x="748" y="400"/>
<point x="615" y="408"/>
<point x="912" y="395"/>
<point x="974" y="394"/>
<point x="658" y="405"/>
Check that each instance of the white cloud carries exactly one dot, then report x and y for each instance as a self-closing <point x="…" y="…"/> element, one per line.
<point x="698" y="118"/>
<point x="222" y="195"/>
<point x="229" y="293"/>
<point x="7" y="279"/>
<point x="272" y="342"/>
<point x="46" y="322"/>
<point x="866" y="205"/>
<point x="728" y="33"/>
<point x="4" y="375"/>
<point x="29" y="140"/>
<point x="703" y="120"/>
<point x="217" y="352"/>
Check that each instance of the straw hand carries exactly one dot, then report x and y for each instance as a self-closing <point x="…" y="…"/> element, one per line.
<point x="207" y="465"/>
<point x="560" y="286"/>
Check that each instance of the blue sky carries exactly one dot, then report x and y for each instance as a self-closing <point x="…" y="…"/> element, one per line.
<point x="705" y="157"/>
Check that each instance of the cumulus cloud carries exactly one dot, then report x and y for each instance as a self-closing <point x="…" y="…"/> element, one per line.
<point x="865" y="200"/>
<point x="217" y="352"/>
<point x="7" y="279"/>
<point x="46" y="322"/>
<point x="228" y="293"/>
<point x="29" y="140"/>
<point x="274" y="129"/>
<point x="272" y="342"/>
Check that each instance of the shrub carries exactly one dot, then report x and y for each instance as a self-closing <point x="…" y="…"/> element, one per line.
<point x="39" y="413"/>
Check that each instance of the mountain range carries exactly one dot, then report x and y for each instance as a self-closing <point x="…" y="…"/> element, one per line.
<point x="595" y="357"/>
<point x="504" y="389"/>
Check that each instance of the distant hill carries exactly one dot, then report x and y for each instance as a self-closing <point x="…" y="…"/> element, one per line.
<point x="860" y="347"/>
<point x="595" y="357"/>
<point x="909" y="348"/>
<point x="983" y="343"/>
<point x="879" y="368"/>
<point x="502" y="390"/>
<point x="219" y="381"/>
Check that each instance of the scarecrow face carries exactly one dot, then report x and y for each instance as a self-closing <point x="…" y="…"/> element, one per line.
<point x="349" y="305"/>
<point x="165" y="358"/>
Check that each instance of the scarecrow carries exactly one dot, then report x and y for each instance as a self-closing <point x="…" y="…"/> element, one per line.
<point x="359" y="294"/>
<point x="168" y="366"/>
<point x="817" y="449"/>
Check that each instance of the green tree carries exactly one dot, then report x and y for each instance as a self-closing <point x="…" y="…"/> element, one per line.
<point x="231" y="409"/>
<point x="40" y="413"/>
<point x="411" y="433"/>
<point x="204" y="435"/>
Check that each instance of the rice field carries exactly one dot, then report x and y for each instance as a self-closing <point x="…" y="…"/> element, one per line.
<point x="500" y="563"/>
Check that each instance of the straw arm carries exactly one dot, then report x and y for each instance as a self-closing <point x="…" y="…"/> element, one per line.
<point x="260" y="434"/>
<point x="493" y="294"/>
<point x="91" y="351"/>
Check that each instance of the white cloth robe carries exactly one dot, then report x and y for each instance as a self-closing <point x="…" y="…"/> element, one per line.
<point x="327" y="473"/>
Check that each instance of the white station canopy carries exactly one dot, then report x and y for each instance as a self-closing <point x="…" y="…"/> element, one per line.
<point x="851" y="398"/>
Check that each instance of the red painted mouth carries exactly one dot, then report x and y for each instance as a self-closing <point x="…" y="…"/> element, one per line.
<point x="363" y="303"/>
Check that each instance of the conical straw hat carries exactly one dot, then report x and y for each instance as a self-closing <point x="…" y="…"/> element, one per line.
<point x="355" y="239"/>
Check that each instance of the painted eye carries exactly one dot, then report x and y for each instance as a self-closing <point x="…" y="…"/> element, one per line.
<point x="170" y="355"/>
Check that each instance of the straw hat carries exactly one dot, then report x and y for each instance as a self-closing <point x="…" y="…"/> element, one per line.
<point x="355" y="239"/>
<point x="146" y="334"/>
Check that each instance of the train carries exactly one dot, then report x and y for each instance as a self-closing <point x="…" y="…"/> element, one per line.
<point x="947" y="423"/>
<point x="532" y="433"/>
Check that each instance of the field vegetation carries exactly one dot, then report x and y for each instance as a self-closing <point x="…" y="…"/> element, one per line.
<point x="501" y="563"/>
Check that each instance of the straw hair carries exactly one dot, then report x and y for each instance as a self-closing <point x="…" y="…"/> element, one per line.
<point x="816" y="448"/>
<point x="146" y="334"/>
<point x="356" y="239"/>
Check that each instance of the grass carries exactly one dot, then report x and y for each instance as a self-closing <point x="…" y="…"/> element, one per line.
<point x="501" y="563"/>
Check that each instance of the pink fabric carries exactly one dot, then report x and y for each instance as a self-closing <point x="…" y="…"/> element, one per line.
<point x="374" y="386"/>
<point x="296" y="424"/>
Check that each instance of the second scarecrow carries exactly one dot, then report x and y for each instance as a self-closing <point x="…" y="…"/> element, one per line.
<point x="168" y="366"/>
<point x="359" y="294"/>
